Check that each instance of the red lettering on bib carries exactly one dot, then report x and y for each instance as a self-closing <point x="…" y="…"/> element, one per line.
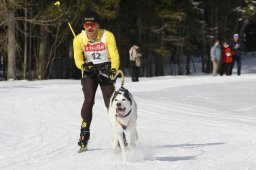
<point x="95" y="47"/>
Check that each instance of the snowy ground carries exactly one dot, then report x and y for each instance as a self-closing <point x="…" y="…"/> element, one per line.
<point x="185" y="122"/>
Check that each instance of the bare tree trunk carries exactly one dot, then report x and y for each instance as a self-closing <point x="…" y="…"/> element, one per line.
<point x="42" y="53"/>
<point x="216" y="22"/>
<point x="161" y="66"/>
<point x="70" y="61"/>
<point x="149" y="64"/>
<point x="204" y="51"/>
<point x="30" y="52"/>
<point x="25" y="45"/>
<point x="11" y="46"/>
<point x="188" y="64"/>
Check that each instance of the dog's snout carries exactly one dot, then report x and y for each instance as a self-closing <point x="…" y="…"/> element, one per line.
<point x="118" y="104"/>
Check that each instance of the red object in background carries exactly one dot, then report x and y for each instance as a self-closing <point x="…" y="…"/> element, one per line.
<point x="227" y="55"/>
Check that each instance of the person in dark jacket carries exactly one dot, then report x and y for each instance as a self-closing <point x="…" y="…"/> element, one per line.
<point x="226" y="59"/>
<point x="237" y="47"/>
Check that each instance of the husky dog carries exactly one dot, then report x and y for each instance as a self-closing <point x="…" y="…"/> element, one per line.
<point x="123" y="117"/>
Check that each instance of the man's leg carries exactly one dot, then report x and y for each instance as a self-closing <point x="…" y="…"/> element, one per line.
<point x="89" y="87"/>
<point x="137" y="73"/>
<point x="229" y="69"/>
<point x="233" y="62"/>
<point x="239" y="65"/>
<point x="107" y="89"/>
<point x="222" y="69"/>
<point x="214" y="68"/>
<point x="132" y="66"/>
<point x="134" y="73"/>
<point x="218" y="67"/>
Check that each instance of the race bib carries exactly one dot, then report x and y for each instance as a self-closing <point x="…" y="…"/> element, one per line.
<point x="96" y="52"/>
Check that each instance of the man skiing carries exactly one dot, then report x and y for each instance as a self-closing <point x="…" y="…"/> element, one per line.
<point x="96" y="54"/>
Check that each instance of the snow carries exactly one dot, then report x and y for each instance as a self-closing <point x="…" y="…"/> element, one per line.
<point x="185" y="122"/>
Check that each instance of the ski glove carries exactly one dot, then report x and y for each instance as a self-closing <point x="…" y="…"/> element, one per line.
<point x="112" y="73"/>
<point x="89" y="69"/>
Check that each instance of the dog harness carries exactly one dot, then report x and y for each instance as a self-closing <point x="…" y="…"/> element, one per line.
<point x="95" y="52"/>
<point x="127" y="113"/>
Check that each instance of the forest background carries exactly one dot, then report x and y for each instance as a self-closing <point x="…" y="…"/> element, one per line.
<point x="174" y="35"/>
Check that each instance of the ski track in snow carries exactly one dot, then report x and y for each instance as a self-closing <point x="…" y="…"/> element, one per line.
<point x="184" y="123"/>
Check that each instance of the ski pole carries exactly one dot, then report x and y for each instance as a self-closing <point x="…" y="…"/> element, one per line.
<point x="57" y="4"/>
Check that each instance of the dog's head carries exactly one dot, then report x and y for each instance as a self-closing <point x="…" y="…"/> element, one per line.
<point x="121" y="102"/>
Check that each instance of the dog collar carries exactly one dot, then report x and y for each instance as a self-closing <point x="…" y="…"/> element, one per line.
<point x="126" y="114"/>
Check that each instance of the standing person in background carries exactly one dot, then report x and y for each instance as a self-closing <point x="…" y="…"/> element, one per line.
<point x="96" y="54"/>
<point x="237" y="47"/>
<point x="226" y="59"/>
<point x="215" y="57"/>
<point x="135" y="62"/>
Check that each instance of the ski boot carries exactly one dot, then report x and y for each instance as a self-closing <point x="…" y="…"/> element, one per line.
<point x="84" y="138"/>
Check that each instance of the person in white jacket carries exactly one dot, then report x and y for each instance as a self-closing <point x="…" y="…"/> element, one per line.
<point x="215" y="57"/>
<point x="135" y="62"/>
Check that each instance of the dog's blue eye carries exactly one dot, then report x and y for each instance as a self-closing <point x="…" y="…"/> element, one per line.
<point x="123" y="99"/>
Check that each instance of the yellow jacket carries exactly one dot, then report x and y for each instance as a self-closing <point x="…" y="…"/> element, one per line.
<point x="110" y="45"/>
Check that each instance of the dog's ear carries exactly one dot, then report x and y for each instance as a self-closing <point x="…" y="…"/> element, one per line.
<point x="127" y="95"/>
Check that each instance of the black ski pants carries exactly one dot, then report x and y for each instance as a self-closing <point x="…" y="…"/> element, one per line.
<point x="238" y="61"/>
<point x="226" y="68"/>
<point x="135" y="71"/>
<point x="89" y="87"/>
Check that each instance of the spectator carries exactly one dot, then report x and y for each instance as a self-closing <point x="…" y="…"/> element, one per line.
<point x="226" y="59"/>
<point x="135" y="62"/>
<point x="237" y="47"/>
<point x="215" y="57"/>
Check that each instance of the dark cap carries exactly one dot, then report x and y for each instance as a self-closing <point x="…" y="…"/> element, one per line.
<point x="91" y="16"/>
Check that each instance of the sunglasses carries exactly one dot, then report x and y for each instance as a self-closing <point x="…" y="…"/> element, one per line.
<point x="91" y="24"/>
